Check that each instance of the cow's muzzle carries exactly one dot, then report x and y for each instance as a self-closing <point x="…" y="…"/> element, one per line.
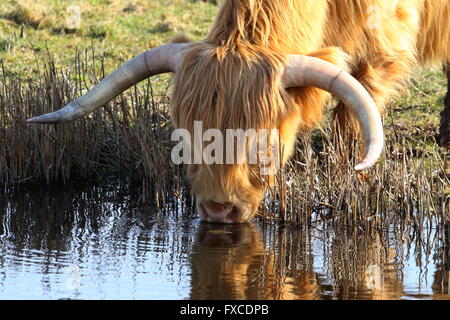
<point x="211" y="211"/>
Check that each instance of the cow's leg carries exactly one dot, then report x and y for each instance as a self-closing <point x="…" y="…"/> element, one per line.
<point x="444" y="134"/>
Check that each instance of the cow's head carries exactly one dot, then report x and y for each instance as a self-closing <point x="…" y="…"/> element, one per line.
<point x="226" y="88"/>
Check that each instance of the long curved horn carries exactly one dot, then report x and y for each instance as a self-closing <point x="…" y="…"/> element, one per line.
<point x="159" y="60"/>
<point x="315" y="72"/>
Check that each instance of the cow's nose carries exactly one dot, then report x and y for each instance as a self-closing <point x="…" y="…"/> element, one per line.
<point x="212" y="211"/>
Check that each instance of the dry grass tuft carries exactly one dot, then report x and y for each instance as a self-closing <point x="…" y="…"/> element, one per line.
<point x="410" y="183"/>
<point x="129" y="138"/>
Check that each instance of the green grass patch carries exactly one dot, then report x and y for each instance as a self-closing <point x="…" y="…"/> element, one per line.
<point x="119" y="28"/>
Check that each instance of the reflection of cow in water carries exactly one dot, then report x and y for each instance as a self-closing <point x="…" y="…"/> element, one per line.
<point x="232" y="262"/>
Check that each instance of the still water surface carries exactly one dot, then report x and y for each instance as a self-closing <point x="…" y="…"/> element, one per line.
<point x="95" y="243"/>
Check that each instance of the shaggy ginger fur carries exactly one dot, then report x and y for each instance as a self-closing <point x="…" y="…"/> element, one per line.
<point x="231" y="79"/>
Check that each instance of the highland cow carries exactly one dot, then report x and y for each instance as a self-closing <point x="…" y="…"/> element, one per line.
<point x="272" y="64"/>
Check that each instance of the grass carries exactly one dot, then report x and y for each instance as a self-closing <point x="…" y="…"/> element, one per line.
<point x="45" y="64"/>
<point x="119" y="29"/>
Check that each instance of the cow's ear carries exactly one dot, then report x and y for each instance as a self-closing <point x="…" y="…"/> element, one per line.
<point x="334" y="55"/>
<point x="181" y="38"/>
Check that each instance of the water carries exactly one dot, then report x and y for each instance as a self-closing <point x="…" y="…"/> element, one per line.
<point x="96" y="243"/>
